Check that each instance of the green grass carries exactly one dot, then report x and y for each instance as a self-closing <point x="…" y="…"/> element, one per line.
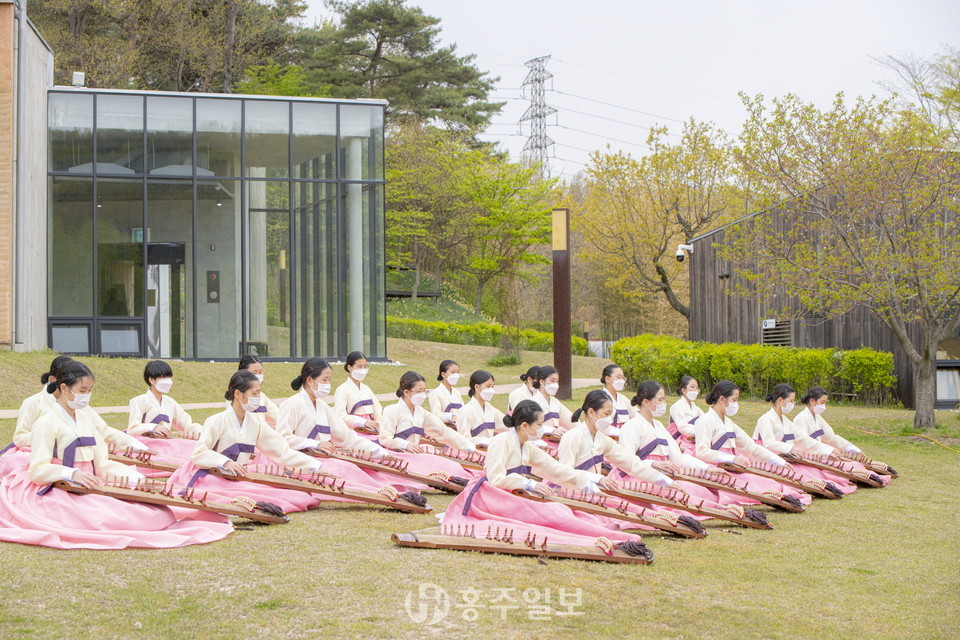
<point x="879" y="564"/>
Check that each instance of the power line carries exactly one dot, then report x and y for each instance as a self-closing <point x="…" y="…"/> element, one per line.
<point x="617" y="106"/>
<point x="599" y="135"/>
<point x="593" y="115"/>
<point x="651" y="93"/>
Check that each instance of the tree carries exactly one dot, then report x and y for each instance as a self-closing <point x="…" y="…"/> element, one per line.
<point x="875" y="192"/>
<point x="385" y="49"/>
<point x="639" y="209"/>
<point x="932" y="84"/>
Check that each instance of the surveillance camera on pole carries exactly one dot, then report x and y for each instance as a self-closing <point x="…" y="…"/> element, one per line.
<point x="683" y="250"/>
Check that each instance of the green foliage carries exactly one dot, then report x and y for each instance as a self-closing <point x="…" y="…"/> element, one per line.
<point x="279" y="80"/>
<point x="864" y="373"/>
<point x="479" y="333"/>
<point x="505" y="360"/>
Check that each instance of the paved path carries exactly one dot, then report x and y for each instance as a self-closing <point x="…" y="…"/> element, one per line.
<point x="578" y="383"/>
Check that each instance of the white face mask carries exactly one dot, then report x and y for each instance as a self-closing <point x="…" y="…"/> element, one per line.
<point x="322" y="390"/>
<point x="358" y="374"/>
<point x="659" y="409"/>
<point x="732" y="409"/>
<point x="603" y="424"/>
<point x="819" y="408"/>
<point x="788" y="408"/>
<point x="418" y="398"/>
<point x="453" y="379"/>
<point x="259" y="377"/>
<point x="692" y="394"/>
<point x="252" y="403"/>
<point x="487" y="394"/>
<point x="552" y="388"/>
<point x="80" y="401"/>
<point x="619" y="384"/>
<point x="164" y="385"/>
<point x="539" y="434"/>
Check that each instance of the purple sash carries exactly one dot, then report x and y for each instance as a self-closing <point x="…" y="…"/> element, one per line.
<point x="161" y="417"/>
<point x="233" y="452"/>
<point x="318" y="429"/>
<point x="453" y="405"/>
<point x="729" y="435"/>
<point x="694" y="421"/>
<point x="817" y="433"/>
<point x="617" y="414"/>
<point x="586" y="464"/>
<point x="647" y="449"/>
<point x="406" y="433"/>
<point x="7" y="448"/>
<point x="522" y="469"/>
<point x="480" y="428"/>
<point x="551" y="416"/>
<point x="787" y="437"/>
<point x="69" y="456"/>
<point x="362" y="403"/>
<point x="476" y="487"/>
<point x="673" y="431"/>
<point x="261" y="409"/>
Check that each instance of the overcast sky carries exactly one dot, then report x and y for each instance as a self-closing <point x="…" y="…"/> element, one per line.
<point x="613" y="59"/>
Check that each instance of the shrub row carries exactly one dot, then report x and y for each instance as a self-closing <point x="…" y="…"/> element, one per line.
<point x="866" y="374"/>
<point x="478" y="333"/>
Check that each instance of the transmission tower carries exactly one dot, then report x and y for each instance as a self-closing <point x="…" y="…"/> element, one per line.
<point x="534" y="87"/>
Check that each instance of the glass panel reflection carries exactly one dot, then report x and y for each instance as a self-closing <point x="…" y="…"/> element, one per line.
<point x="119" y="213"/>
<point x="267" y="130"/>
<point x="70" y="338"/>
<point x="218" y="136"/>
<point x="314" y="140"/>
<point x="361" y="139"/>
<point x="364" y="279"/>
<point x="267" y="261"/>
<point x="315" y="230"/>
<point x="70" y="247"/>
<point x="70" y="132"/>
<point x="119" y="134"/>
<point x="218" y="269"/>
<point x="170" y="136"/>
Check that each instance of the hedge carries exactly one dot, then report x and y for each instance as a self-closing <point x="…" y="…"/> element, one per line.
<point x="478" y="333"/>
<point x="866" y="374"/>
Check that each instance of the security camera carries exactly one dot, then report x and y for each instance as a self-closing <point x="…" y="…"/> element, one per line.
<point x="682" y="251"/>
<point x="681" y="256"/>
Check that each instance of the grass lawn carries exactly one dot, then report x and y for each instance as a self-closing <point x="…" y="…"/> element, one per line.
<point x="879" y="564"/>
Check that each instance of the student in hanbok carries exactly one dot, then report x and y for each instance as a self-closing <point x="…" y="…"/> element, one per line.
<point x="512" y="459"/>
<point x="613" y="381"/>
<point x="446" y="401"/>
<point x="718" y="439"/>
<point x="777" y="433"/>
<point x="480" y="420"/>
<point x="66" y="446"/>
<point x="526" y="391"/>
<point x="355" y="402"/>
<point x="405" y="422"/>
<point x="230" y="439"/>
<point x="684" y="413"/>
<point x="556" y="417"/>
<point x="267" y="407"/>
<point x="308" y="422"/>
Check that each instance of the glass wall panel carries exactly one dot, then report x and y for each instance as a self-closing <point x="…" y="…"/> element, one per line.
<point x="70" y="247"/>
<point x="314" y="140"/>
<point x="267" y="261"/>
<point x="361" y="140"/>
<point x="119" y="213"/>
<point x="120" y="338"/>
<point x="170" y="269"/>
<point x="170" y="136"/>
<point x="218" y="136"/>
<point x="218" y="269"/>
<point x="119" y="134"/>
<point x="70" y="338"/>
<point x="70" y="132"/>
<point x="363" y="207"/>
<point x="267" y="131"/>
<point x="316" y="269"/>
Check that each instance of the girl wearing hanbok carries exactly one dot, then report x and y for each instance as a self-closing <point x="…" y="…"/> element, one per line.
<point x="684" y="413"/>
<point x="404" y="422"/>
<point x="525" y="391"/>
<point x="354" y="401"/>
<point x="556" y="417"/>
<point x="613" y="381"/>
<point x="480" y="420"/>
<point x="446" y="401"/>
<point x="65" y="445"/>
<point x="718" y="439"/>
<point x="267" y="407"/>
<point x="230" y="439"/>
<point x="511" y="459"/>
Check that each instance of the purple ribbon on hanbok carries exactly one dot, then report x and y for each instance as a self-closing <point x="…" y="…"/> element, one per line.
<point x="617" y="414"/>
<point x="817" y="433"/>
<point x="406" y="433"/>
<point x="551" y="416"/>
<point x="522" y="469"/>
<point x="362" y="403"/>
<point x="70" y="455"/>
<point x="160" y="417"/>
<point x="233" y="452"/>
<point x="480" y="428"/>
<point x="787" y="437"/>
<point x="647" y="449"/>
<point x="473" y="492"/>
<point x="589" y="463"/>
<point x="7" y="448"/>
<point x="261" y="409"/>
<point x="729" y="435"/>
<point x="453" y="405"/>
<point x="694" y="420"/>
<point x="318" y="429"/>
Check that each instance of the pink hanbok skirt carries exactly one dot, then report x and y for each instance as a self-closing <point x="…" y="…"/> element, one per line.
<point x="224" y="490"/>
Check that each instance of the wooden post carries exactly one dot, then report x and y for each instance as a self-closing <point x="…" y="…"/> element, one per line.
<point x="562" y="359"/>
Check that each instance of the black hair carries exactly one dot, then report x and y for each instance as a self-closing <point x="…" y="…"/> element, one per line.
<point x="241" y="381"/>
<point x="723" y="389"/>
<point x="70" y="373"/>
<point x="594" y="400"/>
<point x="542" y="374"/>
<point x="55" y="368"/>
<point x="478" y="377"/>
<point x="312" y="368"/>
<point x="684" y="381"/>
<point x="782" y="390"/>
<point x="444" y="367"/>
<point x="407" y="381"/>
<point x="352" y="358"/>
<point x="525" y="411"/>
<point x="647" y="390"/>
<point x="815" y="393"/>
<point x="531" y="374"/>
<point x="248" y="360"/>
<point x="156" y="369"/>
<point x="608" y="371"/>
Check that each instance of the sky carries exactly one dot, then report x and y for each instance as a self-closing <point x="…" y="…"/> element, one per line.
<point x="620" y="66"/>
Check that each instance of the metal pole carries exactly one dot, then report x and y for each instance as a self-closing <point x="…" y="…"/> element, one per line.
<point x="20" y="334"/>
<point x="562" y="358"/>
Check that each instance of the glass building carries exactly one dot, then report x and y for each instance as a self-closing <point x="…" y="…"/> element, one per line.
<point x="208" y="226"/>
